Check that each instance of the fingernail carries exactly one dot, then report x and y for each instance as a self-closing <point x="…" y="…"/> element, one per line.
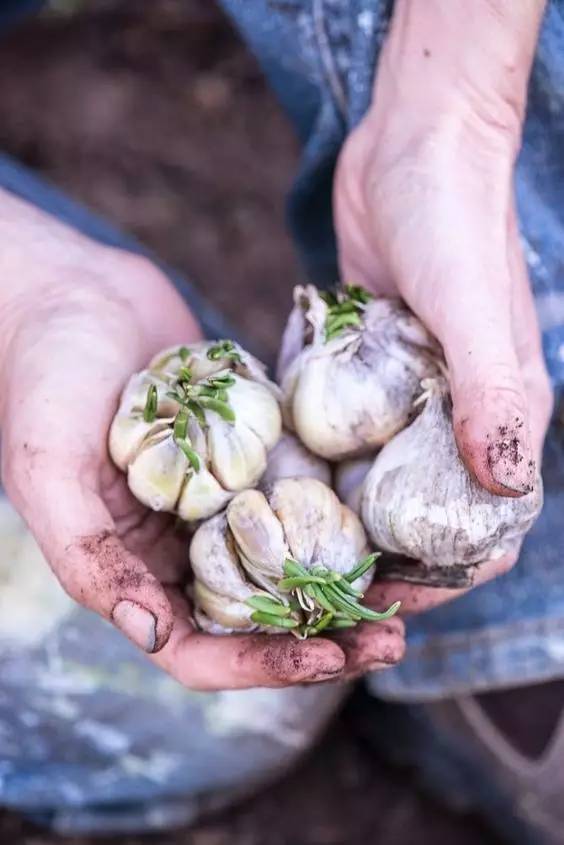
<point x="510" y="458"/>
<point x="137" y="623"/>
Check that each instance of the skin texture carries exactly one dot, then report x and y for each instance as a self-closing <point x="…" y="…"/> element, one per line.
<point x="425" y="209"/>
<point x="76" y="319"/>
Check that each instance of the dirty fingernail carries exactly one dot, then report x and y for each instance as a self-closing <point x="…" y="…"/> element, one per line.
<point x="137" y="623"/>
<point x="510" y="459"/>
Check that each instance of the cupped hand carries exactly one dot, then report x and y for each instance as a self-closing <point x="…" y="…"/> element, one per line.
<point x="80" y="320"/>
<point x="425" y="210"/>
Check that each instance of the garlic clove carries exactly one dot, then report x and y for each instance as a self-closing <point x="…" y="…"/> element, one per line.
<point x="258" y="533"/>
<point x="256" y="409"/>
<point x="157" y="473"/>
<point x="214" y="560"/>
<point x="127" y="436"/>
<point x="290" y="459"/>
<point x="129" y="430"/>
<point x="310" y="514"/>
<point x="202" y="496"/>
<point x="348" y="547"/>
<point x="238" y="456"/>
<point x="231" y="615"/>
<point x="419" y="499"/>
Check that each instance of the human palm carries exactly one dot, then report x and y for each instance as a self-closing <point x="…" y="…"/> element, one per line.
<point x="72" y="344"/>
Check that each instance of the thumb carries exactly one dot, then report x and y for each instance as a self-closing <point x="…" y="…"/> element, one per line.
<point x="470" y="314"/>
<point x="77" y="536"/>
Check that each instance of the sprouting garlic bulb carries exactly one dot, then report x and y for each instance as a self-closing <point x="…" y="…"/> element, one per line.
<point x="290" y="459"/>
<point x="419" y="500"/>
<point x="350" y="367"/>
<point x="280" y="560"/>
<point x="195" y="427"/>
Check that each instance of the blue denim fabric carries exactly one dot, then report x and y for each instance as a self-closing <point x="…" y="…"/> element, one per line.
<point x="320" y="57"/>
<point x="79" y="743"/>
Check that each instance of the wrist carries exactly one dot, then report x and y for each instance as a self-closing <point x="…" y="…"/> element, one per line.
<point x="448" y="64"/>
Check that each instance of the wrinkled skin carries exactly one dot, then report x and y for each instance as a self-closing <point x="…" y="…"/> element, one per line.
<point x="76" y="319"/>
<point x="425" y="209"/>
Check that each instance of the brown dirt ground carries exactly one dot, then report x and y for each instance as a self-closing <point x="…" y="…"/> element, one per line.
<point x="153" y="113"/>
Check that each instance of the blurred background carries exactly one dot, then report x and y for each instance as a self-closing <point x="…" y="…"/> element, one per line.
<point x="152" y="113"/>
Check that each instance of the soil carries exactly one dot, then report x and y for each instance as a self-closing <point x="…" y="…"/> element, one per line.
<point x="153" y="113"/>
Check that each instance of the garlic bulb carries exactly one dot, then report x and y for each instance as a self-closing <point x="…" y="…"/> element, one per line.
<point x="290" y="459"/>
<point x="419" y="500"/>
<point x="290" y="558"/>
<point x="350" y="367"/>
<point x="195" y="427"/>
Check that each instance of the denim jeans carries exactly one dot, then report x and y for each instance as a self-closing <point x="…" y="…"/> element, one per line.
<point x="80" y="746"/>
<point x="320" y="57"/>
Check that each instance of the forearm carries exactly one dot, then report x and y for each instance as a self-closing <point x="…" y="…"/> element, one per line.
<point x="49" y="271"/>
<point x="452" y="57"/>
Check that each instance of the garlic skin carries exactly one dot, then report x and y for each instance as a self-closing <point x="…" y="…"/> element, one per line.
<point x="349" y="395"/>
<point x="230" y="454"/>
<point x="290" y="459"/>
<point x="349" y="477"/>
<point x="242" y="552"/>
<point x="419" y="500"/>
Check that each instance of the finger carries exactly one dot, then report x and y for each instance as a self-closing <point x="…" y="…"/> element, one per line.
<point x="372" y="646"/>
<point x="456" y="277"/>
<point x="78" y="539"/>
<point x="204" y="662"/>
<point x="416" y="598"/>
<point x="490" y="405"/>
<point x="54" y="487"/>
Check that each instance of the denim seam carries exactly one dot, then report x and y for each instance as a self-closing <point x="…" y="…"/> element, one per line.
<point x="327" y="59"/>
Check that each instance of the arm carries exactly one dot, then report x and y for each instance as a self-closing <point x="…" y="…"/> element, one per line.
<point x="76" y="319"/>
<point x="425" y="209"/>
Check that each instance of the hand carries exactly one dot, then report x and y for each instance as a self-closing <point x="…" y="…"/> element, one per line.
<point x="425" y="210"/>
<point x="76" y="319"/>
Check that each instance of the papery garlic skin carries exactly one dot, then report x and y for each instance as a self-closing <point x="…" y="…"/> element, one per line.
<point x="349" y="477"/>
<point x="232" y="455"/>
<point x="291" y="459"/>
<point x="349" y="395"/>
<point x="242" y="552"/>
<point x="419" y="499"/>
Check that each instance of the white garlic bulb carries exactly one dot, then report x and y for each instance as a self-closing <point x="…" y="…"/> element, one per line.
<point x="289" y="558"/>
<point x="195" y="427"/>
<point x="350" y="367"/>
<point x="290" y="459"/>
<point x="419" y="500"/>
